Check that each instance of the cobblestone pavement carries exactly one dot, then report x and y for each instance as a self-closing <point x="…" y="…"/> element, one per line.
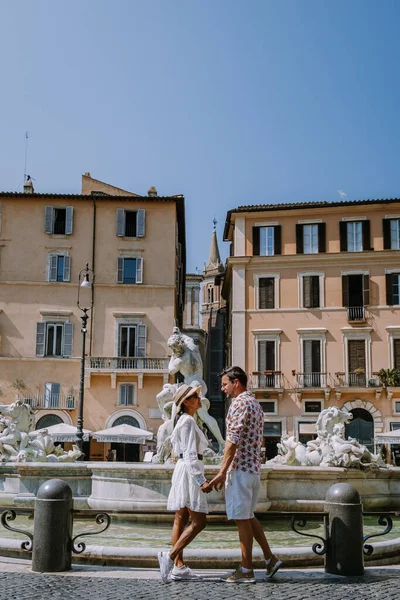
<point x="382" y="583"/>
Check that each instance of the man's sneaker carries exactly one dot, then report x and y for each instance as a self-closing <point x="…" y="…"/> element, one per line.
<point x="166" y="565"/>
<point x="239" y="576"/>
<point x="272" y="566"/>
<point x="183" y="574"/>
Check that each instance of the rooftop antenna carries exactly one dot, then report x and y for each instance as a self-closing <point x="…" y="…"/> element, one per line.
<point x="26" y="155"/>
<point x="215" y="223"/>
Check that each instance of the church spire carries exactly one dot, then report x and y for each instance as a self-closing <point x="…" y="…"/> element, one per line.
<point x="214" y="259"/>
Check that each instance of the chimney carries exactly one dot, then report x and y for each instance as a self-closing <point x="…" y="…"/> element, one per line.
<point x="28" y="185"/>
<point x="152" y="191"/>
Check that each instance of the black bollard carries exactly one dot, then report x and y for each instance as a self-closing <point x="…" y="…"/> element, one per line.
<point x="345" y="540"/>
<point x="52" y="528"/>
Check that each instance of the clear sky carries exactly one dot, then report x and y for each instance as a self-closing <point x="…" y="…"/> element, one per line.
<point x="228" y="102"/>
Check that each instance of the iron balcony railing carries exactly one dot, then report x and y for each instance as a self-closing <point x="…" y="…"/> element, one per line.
<point x="102" y="363"/>
<point x="55" y="401"/>
<point x="356" y="314"/>
<point x="359" y="380"/>
<point x="266" y="380"/>
<point x="311" y="380"/>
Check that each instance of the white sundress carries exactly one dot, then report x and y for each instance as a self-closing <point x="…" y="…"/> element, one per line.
<point x="188" y="440"/>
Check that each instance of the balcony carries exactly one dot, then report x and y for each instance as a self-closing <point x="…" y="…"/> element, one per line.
<point x="356" y="380"/>
<point x="49" y="401"/>
<point x="107" y="364"/>
<point x="267" y="380"/>
<point x="356" y="314"/>
<point x="311" y="380"/>
<point x="121" y="365"/>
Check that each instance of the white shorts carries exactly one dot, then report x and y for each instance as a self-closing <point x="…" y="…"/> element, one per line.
<point x="241" y="494"/>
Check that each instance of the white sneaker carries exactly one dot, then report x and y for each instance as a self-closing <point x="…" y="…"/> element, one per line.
<point x="182" y="574"/>
<point x="166" y="565"/>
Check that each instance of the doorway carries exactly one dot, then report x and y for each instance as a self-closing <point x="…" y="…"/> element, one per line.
<point x="361" y="428"/>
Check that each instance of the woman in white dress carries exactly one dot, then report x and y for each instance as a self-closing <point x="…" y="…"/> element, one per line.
<point x="189" y="486"/>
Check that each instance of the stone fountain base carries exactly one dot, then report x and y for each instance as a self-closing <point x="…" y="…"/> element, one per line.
<point x="125" y="487"/>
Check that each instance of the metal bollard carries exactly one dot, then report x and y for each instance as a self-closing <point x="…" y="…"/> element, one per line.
<point x="345" y="540"/>
<point x="52" y="528"/>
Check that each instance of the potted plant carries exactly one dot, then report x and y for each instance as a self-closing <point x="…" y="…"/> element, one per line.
<point x="389" y="377"/>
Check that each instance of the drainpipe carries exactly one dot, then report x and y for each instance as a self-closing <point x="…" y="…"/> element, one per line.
<point x="94" y="273"/>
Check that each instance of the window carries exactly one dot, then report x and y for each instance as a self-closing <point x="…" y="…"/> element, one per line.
<point x="391" y="234"/>
<point x="355" y="236"/>
<point x="310" y="238"/>
<point x="396" y="353"/>
<point x="355" y="289"/>
<point x="266" y="362"/>
<point x="210" y="294"/>
<point x="132" y="340"/>
<point x="58" y="220"/>
<point x="268" y="407"/>
<point x="130" y="270"/>
<point x="311" y="363"/>
<point x="311" y="293"/>
<point x="54" y="339"/>
<point x="356" y="363"/>
<point x="306" y="431"/>
<point x="130" y="223"/>
<point x="48" y="421"/>
<point x="126" y="395"/>
<point x="51" y="395"/>
<point x="266" y="291"/>
<point x="392" y="289"/>
<point x="59" y="267"/>
<point x="397" y="407"/>
<point x="272" y="429"/>
<point x="266" y="240"/>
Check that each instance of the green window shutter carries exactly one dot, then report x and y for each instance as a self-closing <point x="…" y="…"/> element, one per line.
<point x="386" y="234"/>
<point x="299" y="239"/>
<point x="389" y="288"/>
<point x="277" y="239"/>
<point x="256" y="241"/>
<point x="343" y="235"/>
<point x="68" y="334"/>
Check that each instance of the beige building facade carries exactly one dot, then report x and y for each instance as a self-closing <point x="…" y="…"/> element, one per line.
<point x="135" y="246"/>
<point x="314" y="306"/>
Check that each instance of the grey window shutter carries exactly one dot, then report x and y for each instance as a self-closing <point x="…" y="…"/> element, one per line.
<point x="262" y="355"/>
<point x="307" y="303"/>
<point x="343" y="235"/>
<point x="120" y="269"/>
<point x="40" y="338"/>
<point x="356" y="351"/>
<point x="299" y="239"/>
<point x="68" y="334"/>
<point x="69" y="217"/>
<point x="139" y="270"/>
<point x="48" y="219"/>
<point x="396" y="353"/>
<point x="53" y="267"/>
<point x="386" y="234"/>
<point x="345" y="290"/>
<point x="366" y="290"/>
<point x="129" y="395"/>
<point x="141" y="222"/>
<point x="307" y="356"/>
<point x="122" y="394"/>
<point x="67" y="268"/>
<point x="277" y="239"/>
<point x="389" y="289"/>
<point x="120" y="222"/>
<point x="141" y="340"/>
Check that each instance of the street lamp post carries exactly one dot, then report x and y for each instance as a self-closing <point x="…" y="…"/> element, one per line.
<point x="83" y="282"/>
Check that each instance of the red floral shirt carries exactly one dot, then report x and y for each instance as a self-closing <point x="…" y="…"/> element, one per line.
<point x="244" y="428"/>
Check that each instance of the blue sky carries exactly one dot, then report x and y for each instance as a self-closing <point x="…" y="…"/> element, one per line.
<point x="229" y="102"/>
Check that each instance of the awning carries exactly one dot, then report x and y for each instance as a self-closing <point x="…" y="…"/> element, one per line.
<point x="388" y="437"/>
<point x="62" y="432"/>
<point x="123" y="434"/>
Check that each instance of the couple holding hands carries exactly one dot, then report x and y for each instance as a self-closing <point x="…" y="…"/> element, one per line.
<point x="239" y="473"/>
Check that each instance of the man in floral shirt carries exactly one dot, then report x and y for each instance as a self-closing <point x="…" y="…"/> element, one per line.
<point x="240" y="472"/>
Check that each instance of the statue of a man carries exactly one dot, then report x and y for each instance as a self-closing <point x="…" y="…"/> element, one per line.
<point x="186" y="359"/>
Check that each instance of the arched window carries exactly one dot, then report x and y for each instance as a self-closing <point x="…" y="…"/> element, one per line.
<point x="126" y="420"/>
<point x="48" y="421"/>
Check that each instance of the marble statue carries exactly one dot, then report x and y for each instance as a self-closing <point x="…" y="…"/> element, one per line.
<point x="330" y="448"/>
<point x="187" y="361"/>
<point x="16" y="422"/>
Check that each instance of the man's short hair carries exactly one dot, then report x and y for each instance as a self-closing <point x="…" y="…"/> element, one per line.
<point x="233" y="373"/>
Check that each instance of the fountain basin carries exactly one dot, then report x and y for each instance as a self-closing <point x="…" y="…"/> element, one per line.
<point x="124" y="487"/>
